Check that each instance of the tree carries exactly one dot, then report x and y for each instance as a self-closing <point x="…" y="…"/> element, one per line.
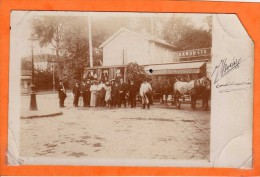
<point x="77" y="53"/>
<point x="136" y="72"/>
<point x="44" y="80"/>
<point x="181" y="32"/>
<point x="67" y="36"/>
<point x="49" y="31"/>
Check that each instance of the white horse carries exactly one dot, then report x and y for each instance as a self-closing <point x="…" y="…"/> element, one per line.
<point x="191" y="88"/>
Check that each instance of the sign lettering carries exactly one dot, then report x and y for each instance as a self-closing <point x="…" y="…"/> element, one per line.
<point x="194" y="53"/>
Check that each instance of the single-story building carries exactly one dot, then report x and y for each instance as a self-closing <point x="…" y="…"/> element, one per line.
<point x="26" y="79"/>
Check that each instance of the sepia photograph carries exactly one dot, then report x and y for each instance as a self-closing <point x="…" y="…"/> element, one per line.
<point x="120" y="88"/>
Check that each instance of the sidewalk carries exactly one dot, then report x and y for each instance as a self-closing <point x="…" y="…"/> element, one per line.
<point x="47" y="105"/>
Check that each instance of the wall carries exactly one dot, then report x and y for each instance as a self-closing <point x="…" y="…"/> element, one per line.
<point x="160" y="54"/>
<point x="126" y="48"/>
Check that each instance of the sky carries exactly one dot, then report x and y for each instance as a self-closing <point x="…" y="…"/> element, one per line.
<point x="21" y="22"/>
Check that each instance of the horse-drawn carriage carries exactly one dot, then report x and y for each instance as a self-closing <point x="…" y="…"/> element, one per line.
<point x="184" y="92"/>
<point x="179" y="90"/>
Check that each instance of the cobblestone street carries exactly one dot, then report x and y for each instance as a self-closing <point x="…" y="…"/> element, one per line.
<point x="158" y="133"/>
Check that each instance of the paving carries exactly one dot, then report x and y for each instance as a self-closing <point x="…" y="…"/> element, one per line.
<point x="163" y="132"/>
<point x="45" y="106"/>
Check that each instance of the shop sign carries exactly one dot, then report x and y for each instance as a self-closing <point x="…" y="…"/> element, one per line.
<point x="194" y="53"/>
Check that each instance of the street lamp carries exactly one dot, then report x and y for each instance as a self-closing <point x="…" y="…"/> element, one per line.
<point x="53" y="75"/>
<point x="33" y="103"/>
<point x="53" y="68"/>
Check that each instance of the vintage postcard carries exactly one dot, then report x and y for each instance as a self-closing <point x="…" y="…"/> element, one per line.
<point x="130" y="89"/>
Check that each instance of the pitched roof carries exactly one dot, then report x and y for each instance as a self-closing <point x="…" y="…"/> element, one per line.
<point x="143" y="36"/>
<point x="26" y="72"/>
<point x="40" y="58"/>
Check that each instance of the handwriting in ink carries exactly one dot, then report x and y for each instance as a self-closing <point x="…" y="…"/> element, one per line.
<point x="224" y="68"/>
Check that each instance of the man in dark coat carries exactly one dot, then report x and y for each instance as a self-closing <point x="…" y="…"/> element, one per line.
<point x="84" y="94"/>
<point x="101" y="94"/>
<point x="115" y="94"/>
<point x="76" y="93"/>
<point x="88" y="93"/>
<point x="122" y="92"/>
<point x="132" y="94"/>
<point x="112" y="83"/>
<point x="62" y="93"/>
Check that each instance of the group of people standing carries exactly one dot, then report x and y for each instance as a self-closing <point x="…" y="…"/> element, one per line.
<point x="111" y="94"/>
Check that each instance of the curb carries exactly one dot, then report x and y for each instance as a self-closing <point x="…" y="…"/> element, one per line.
<point x="41" y="116"/>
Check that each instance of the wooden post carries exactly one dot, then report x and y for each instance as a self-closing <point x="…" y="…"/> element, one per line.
<point x="125" y="74"/>
<point x="90" y="41"/>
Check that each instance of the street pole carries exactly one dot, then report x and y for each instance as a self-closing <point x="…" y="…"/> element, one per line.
<point x="33" y="103"/>
<point x="152" y="31"/>
<point x="90" y="41"/>
<point x="53" y="75"/>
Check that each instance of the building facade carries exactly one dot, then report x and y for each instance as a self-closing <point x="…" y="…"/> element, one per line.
<point x="126" y="46"/>
<point x="26" y="78"/>
<point x="165" y="60"/>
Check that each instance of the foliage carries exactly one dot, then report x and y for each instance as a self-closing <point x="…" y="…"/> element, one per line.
<point x="49" y="31"/>
<point x="182" y="33"/>
<point x="66" y="36"/>
<point x="44" y="80"/>
<point x="76" y="49"/>
<point x="136" y="73"/>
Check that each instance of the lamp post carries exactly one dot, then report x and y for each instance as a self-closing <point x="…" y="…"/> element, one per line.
<point x="53" y="68"/>
<point x="33" y="103"/>
<point x="53" y="75"/>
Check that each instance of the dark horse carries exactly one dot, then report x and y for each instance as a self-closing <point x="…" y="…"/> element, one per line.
<point x="192" y="88"/>
<point x="205" y="92"/>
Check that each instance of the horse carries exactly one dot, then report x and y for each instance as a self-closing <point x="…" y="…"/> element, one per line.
<point x="205" y="91"/>
<point x="192" y="88"/>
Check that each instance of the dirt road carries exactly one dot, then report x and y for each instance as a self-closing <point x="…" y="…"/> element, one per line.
<point x="157" y="133"/>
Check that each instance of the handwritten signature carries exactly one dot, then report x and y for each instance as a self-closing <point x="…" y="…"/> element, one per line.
<point x="224" y="68"/>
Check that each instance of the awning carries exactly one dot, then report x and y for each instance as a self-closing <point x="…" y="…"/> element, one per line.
<point x="104" y="67"/>
<point x="176" y="68"/>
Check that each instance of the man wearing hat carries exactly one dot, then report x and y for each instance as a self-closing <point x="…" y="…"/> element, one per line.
<point x="132" y="94"/>
<point x="115" y="94"/>
<point x="145" y="93"/>
<point x="76" y="94"/>
<point x="62" y="93"/>
<point x="88" y="93"/>
<point x="85" y="90"/>
<point x="122" y="92"/>
<point x="101" y="94"/>
<point x="84" y="93"/>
